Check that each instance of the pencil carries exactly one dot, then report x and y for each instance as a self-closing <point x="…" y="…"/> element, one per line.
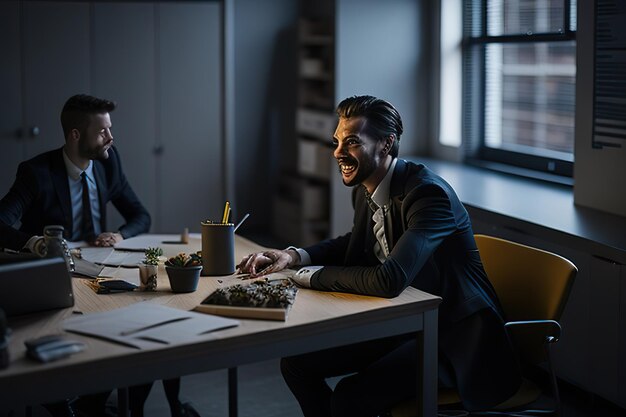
<point x="225" y="215"/>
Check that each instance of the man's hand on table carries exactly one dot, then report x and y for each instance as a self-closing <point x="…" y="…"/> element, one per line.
<point x="267" y="262"/>
<point x="108" y="239"/>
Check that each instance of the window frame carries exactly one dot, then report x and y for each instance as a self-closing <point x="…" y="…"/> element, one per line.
<point x="474" y="98"/>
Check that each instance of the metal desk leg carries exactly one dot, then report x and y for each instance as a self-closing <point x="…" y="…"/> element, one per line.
<point x="427" y="362"/>
<point x="232" y="392"/>
<point x="122" y="402"/>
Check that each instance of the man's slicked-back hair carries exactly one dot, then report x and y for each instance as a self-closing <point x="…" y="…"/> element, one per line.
<point x="78" y="108"/>
<point x="383" y="119"/>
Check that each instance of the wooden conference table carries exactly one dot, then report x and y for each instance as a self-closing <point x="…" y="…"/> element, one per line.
<point x="317" y="320"/>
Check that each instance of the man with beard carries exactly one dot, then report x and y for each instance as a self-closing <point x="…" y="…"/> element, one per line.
<point x="72" y="185"/>
<point x="409" y="229"/>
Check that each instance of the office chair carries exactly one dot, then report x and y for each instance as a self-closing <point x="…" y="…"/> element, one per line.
<point x="533" y="286"/>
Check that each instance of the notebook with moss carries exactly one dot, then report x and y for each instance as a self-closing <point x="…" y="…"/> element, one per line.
<point x="261" y="299"/>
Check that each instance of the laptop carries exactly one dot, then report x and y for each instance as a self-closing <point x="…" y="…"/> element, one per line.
<point x="30" y="286"/>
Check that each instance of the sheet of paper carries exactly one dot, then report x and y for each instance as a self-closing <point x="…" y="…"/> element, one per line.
<point x="95" y="254"/>
<point x="86" y="268"/>
<point x="142" y="242"/>
<point x="145" y="325"/>
<point x="125" y="274"/>
<point x="112" y="257"/>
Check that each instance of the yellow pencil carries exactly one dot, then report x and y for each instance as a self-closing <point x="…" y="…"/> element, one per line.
<point x="225" y="215"/>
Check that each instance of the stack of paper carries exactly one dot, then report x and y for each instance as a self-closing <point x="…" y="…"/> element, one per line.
<point x="147" y="325"/>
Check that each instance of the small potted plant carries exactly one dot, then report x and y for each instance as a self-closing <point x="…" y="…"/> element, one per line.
<point x="183" y="271"/>
<point x="149" y="268"/>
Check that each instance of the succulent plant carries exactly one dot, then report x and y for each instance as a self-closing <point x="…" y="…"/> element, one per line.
<point x="152" y="256"/>
<point x="183" y="260"/>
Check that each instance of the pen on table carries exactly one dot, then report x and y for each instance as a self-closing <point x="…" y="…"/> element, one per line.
<point x="241" y="221"/>
<point x="225" y="215"/>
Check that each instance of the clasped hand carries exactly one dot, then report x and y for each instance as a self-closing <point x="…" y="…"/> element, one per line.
<point x="266" y="262"/>
<point x="108" y="239"/>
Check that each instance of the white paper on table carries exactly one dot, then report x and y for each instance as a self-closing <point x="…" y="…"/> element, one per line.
<point x="110" y="257"/>
<point x="143" y="242"/>
<point x="125" y="274"/>
<point x="146" y="325"/>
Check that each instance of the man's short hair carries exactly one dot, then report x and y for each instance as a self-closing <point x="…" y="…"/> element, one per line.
<point x="383" y="119"/>
<point x="78" y="108"/>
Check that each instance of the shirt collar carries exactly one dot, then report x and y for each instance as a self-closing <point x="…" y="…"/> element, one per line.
<point x="380" y="196"/>
<point x="73" y="171"/>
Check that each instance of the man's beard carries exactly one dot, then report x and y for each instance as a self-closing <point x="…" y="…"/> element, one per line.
<point x="364" y="168"/>
<point x="95" y="153"/>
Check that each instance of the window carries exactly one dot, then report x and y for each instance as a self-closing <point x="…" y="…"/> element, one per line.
<point x="519" y="72"/>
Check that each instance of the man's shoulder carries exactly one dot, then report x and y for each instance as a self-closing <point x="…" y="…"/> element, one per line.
<point x="416" y="175"/>
<point x="44" y="161"/>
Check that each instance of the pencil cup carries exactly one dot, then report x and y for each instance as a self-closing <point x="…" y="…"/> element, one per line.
<point x="218" y="249"/>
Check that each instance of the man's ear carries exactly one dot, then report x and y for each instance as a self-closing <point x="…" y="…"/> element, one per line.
<point x="389" y="140"/>
<point x="74" y="135"/>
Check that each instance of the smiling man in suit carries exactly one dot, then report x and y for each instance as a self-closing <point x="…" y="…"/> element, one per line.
<point x="72" y="185"/>
<point x="409" y="229"/>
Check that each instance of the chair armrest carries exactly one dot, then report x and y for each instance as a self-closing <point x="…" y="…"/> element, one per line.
<point x="553" y="328"/>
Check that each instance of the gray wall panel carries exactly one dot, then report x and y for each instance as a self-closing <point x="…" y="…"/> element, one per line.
<point x="191" y="168"/>
<point x="56" y="66"/>
<point x="123" y="68"/>
<point x="264" y="101"/>
<point x="10" y="91"/>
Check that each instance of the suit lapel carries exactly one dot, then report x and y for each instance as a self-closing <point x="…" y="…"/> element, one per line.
<point x="394" y="227"/>
<point x="101" y="182"/>
<point x="62" y="188"/>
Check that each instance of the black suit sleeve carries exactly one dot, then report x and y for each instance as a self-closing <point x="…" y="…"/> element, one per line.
<point x="13" y="205"/>
<point x="127" y="203"/>
<point x="429" y="219"/>
<point x="330" y="251"/>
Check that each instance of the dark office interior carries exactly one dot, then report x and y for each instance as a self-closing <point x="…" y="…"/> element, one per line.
<point x="519" y="105"/>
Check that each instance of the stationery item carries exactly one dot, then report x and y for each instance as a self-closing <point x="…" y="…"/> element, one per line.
<point x="52" y="347"/>
<point x="85" y="268"/>
<point x="35" y="285"/>
<point x="260" y="299"/>
<point x="226" y="213"/>
<point x="241" y="221"/>
<point x="112" y="257"/>
<point x="147" y="325"/>
<point x="109" y="286"/>
<point x="218" y="249"/>
<point x="142" y="242"/>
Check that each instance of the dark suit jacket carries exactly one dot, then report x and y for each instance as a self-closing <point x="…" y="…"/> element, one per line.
<point x="40" y="196"/>
<point x="432" y="248"/>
